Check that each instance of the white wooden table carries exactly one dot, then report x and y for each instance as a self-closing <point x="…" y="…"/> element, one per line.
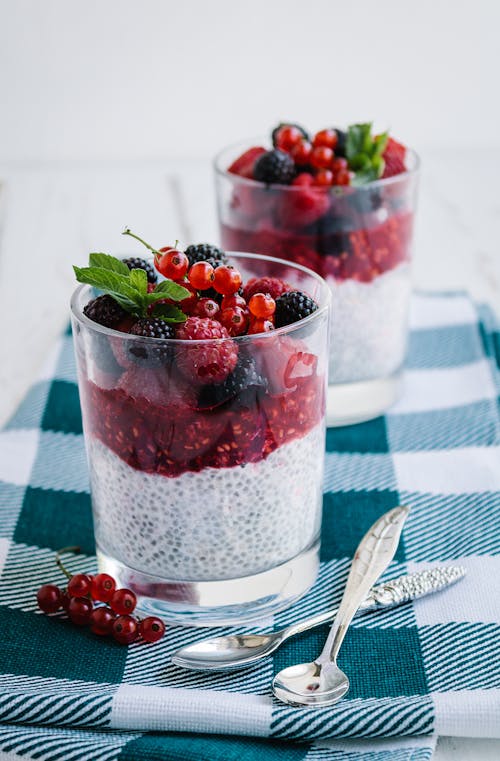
<point x="53" y="215"/>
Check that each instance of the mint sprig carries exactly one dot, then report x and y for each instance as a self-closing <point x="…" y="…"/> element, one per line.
<point x="364" y="153"/>
<point x="130" y="287"/>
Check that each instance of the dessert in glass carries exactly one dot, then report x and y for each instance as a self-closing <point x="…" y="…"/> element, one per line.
<point x="203" y="399"/>
<point x="341" y="203"/>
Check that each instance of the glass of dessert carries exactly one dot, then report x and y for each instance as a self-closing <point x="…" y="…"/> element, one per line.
<point x="341" y="203"/>
<point x="202" y="379"/>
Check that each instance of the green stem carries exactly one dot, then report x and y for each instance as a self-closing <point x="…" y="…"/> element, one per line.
<point x="127" y="231"/>
<point x="59" y="562"/>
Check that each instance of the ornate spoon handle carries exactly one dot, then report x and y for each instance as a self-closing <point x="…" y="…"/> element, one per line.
<point x="373" y="555"/>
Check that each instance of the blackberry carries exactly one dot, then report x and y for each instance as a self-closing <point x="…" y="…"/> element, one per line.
<point x="147" y="354"/>
<point x="136" y="263"/>
<point x="244" y="385"/>
<point x="274" y="133"/>
<point x="105" y="311"/>
<point x="205" y="252"/>
<point x="341" y="141"/>
<point x="292" y="307"/>
<point x="274" y="167"/>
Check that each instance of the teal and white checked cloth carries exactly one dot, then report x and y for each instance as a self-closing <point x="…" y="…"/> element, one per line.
<point x="423" y="669"/>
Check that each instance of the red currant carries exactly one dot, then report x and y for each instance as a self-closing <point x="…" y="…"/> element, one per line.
<point x="49" y="598"/>
<point x="201" y="275"/>
<point x="260" y="326"/>
<point x="206" y="308"/>
<point x="288" y="136"/>
<point x="301" y="152"/>
<point x="235" y="320"/>
<point x="65" y="600"/>
<point x="123" y="601"/>
<point x="324" y="177"/>
<point x="101" y="621"/>
<point x="304" y="179"/>
<point x="125" y="629"/>
<point x="342" y="178"/>
<point x="339" y="164"/>
<point x="188" y="304"/>
<point x="227" y="280"/>
<point x="151" y="629"/>
<point x="327" y="138"/>
<point x="262" y="305"/>
<point x="321" y="157"/>
<point x="102" y="587"/>
<point x="79" y="585"/>
<point x="234" y="300"/>
<point x="80" y="610"/>
<point x="174" y="264"/>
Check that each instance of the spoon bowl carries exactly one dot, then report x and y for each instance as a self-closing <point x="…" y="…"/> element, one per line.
<point x="225" y="653"/>
<point x="311" y="684"/>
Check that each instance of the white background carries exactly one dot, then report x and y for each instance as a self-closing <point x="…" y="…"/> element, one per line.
<point x="104" y="104"/>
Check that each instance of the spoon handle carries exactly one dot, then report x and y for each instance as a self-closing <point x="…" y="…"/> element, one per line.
<point x="373" y="555"/>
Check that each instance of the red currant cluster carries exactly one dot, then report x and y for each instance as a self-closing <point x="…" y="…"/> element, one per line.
<point x="111" y="619"/>
<point x="318" y="155"/>
<point x="233" y="311"/>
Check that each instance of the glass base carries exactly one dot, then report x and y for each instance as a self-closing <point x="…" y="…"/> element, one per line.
<point x="218" y="603"/>
<point x="349" y="403"/>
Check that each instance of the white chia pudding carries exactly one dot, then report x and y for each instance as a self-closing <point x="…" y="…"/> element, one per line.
<point x="215" y="524"/>
<point x="369" y="326"/>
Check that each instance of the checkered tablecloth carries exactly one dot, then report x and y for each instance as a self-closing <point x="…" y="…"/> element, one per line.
<point x="431" y="667"/>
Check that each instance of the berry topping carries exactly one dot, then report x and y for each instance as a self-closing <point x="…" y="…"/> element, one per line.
<point x="49" y="598"/>
<point x="173" y="264"/>
<point x="201" y="275"/>
<point x="205" y="252"/>
<point x="227" y="280"/>
<point x="212" y="360"/>
<point x="275" y="167"/>
<point x="276" y="131"/>
<point x="123" y="601"/>
<point x="125" y="629"/>
<point x="270" y="285"/>
<point x="136" y="263"/>
<point x="105" y="310"/>
<point x="151" y="629"/>
<point x="244" y="164"/>
<point x="102" y="587"/>
<point x="292" y="307"/>
<point x="262" y="305"/>
<point x="79" y="585"/>
<point x="101" y="621"/>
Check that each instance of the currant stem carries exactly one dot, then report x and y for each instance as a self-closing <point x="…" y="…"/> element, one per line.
<point x="59" y="562"/>
<point x="127" y="231"/>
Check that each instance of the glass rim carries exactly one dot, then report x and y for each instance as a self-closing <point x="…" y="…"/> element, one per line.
<point x="335" y="189"/>
<point x="81" y="318"/>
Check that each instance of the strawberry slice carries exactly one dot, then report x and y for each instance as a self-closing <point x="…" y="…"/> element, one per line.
<point x="245" y="163"/>
<point x="394" y="157"/>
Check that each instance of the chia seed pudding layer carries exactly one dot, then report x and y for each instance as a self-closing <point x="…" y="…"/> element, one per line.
<point x="369" y="326"/>
<point x="215" y="524"/>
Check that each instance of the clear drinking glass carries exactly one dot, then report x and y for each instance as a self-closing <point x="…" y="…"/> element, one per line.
<point x="207" y="497"/>
<point x="360" y="240"/>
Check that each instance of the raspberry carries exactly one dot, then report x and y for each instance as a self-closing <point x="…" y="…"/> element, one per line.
<point x="394" y="157"/>
<point x="209" y="362"/>
<point x="136" y="263"/>
<point x="145" y="354"/>
<point x="205" y="252"/>
<point x="244" y="164"/>
<point x="302" y="207"/>
<point x="292" y="307"/>
<point x="275" y="167"/>
<point x="271" y="285"/>
<point x="276" y="130"/>
<point x="105" y="311"/>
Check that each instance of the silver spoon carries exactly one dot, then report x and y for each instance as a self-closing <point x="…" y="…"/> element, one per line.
<point x="234" y="651"/>
<point x="322" y="682"/>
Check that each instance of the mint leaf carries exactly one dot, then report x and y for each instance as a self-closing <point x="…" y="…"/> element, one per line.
<point x="139" y="280"/>
<point x="107" y="262"/>
<point x="364" y="153"/>
<point x="116" y="285"/>
<point x="169" y="313"/>
<point x="167" y="289"/>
